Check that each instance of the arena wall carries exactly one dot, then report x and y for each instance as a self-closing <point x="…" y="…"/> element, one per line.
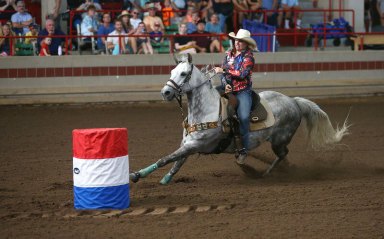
<point x="81" y="79"/>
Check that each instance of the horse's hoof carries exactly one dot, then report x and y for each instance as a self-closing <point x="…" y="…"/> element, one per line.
<point x="134" y="177"/>
<point x="166" y="179"/>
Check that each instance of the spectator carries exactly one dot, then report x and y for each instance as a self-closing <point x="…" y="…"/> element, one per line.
<point x="289" y="6"/>
<point x="7" y="5"/>
<point x="135" y="19"/>
<point x="188" y="15"/>
<point x="205" y="43"/>
<point x="255" y="6"/>
<point x="143" y="41"/>
<point x="200" y="6"/>
<point x="104" y="29"/>
<point x="192" y="26"/>
<point x="156" y="35"/>
<point x="179" y="5"/>
<point x="32" y="34"/>
<point x="117" y="39"/>
<point x="151" y="19"/>
<point x="380" y="9"/>
<point x="183" y="42"/>
<point x="83" y="7"/>
<point x="50" y="30"/>
<point x="241" y="6"/>
<point x="140" y="6"/>
<point x="167" y="12"/>
<point x="53" y="9"/>
<point x="89" y="25"/>
<point x="128" y="29"/>
<point x="21" y="19"/>
<point x="271" y="6"/>
<point x="44" y="50"/>
<point x="213" y="26"/>
<point x="224" y="9"/>
<point x="7" y="45"/>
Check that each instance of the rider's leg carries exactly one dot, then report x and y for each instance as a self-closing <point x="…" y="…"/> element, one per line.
<point x="243" y="112"/>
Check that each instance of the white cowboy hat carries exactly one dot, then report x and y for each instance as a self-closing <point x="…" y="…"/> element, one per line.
<point x="244" y="35"/>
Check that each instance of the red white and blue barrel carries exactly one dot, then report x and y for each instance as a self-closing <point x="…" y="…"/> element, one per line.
<point x="100" y="168"/>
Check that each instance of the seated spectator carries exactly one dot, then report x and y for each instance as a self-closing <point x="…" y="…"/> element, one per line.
<point x="156" y="35"/>
<point x="168" y="14"/>
<point x="188" y="15"/>
<point x="205" y="43"/>
<point x="199" y="6"/>
<point x="289" y="6"/>
<point x="32" y="34"/>
<point x="117" y="39"/>
<point x="9" y="6"/>
<point x="183" y="42"/>
<point x="151" y="19"/>
<point x="223" y="9"/>
<point x="44" y="50"/>
<point x="21" y="19"/>
<point x="50" y="30"/>
<point x="255" y="6"/>
<point x="83" y="7"/>
<point x="192" y="25"/>
<point x="105" y="28"/>
<point x="143" y="41"/>
<point x="213" y="26"/>
<point x="135" y="19"/>
<point x="271" y="6"/>
<point x="7" y="45"/>
<point x="128" y="29"/>
<point x="90" y="24"/>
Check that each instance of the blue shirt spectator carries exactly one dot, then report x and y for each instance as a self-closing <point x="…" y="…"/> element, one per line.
<point x="213" y="26"/>
<point x="21" y="19"/>
<point x="104" y="29"/>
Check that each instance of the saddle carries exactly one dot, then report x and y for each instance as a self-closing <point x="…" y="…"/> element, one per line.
<point x="261" y="113"/>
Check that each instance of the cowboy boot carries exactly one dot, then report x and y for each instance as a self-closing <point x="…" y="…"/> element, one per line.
<point x="241" y="152"/>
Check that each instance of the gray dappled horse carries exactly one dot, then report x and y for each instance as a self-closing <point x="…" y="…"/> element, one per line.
<point x="203" y="110"/>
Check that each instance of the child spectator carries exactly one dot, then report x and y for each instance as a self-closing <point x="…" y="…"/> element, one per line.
<point x="168" y="14"/>
<point x="135" y="19"/>
<point x="143" y="41"/>
<point x="183" y="42"/>
<point x="7" y="45"/>
<point x="45" y="43"/>
<point x="156" y="35"/>
<point x="32" y="34"/>
<point x="90" y="24"/>
<point x="50" y="30"/>
<point x="192" y="26"/>
<point x="83" y="7"/>
<point x="104" y="29"/>
<point x="21" y="19"/>
<point x="117" y="39"/>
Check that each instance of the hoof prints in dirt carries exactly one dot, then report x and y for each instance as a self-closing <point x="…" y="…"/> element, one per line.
<point x="119" y="213"/>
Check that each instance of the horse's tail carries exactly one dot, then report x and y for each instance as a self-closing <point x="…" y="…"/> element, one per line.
<point x="320" y="130"/>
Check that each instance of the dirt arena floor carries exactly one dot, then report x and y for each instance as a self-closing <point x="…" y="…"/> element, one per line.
<point x="334" y="194"/>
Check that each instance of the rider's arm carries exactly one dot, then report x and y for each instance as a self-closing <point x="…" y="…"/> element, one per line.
<point x="245" y="69"/>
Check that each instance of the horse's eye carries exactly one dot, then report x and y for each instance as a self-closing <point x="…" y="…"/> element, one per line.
<point x="183" y="74"/>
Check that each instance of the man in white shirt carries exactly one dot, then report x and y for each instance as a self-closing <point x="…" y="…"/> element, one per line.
<point x="117" y="44"/>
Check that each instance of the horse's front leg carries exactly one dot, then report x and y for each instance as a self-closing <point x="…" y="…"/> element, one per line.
<point x="175" y="168"/>
<point x="179" y="154"/>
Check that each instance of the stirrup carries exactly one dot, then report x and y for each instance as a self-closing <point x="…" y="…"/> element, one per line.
<point x="242" y="155"/>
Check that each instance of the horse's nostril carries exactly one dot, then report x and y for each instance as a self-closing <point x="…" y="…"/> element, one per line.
<point x="167" y="93"/>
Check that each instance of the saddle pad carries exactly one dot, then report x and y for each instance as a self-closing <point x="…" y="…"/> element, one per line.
<point x="265" y="123"/>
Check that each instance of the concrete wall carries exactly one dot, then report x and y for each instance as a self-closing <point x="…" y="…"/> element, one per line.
<point x="74" y="79"/>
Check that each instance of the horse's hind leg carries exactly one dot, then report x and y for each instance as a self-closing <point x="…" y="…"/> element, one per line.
<point x="175" y="168"/>
<point x="281" y="152"/>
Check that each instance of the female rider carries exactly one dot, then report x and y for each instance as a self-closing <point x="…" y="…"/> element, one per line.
<point x="237" y="71"/>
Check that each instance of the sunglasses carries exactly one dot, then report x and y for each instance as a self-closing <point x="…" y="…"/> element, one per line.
<point x="135" y="12"/>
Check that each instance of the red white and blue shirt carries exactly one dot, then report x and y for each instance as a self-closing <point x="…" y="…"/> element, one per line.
<point x="238" y="69"/>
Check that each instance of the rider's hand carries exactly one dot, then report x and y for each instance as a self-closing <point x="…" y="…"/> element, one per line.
<point x="228" y="89"/>
<point x="218" y="70"/>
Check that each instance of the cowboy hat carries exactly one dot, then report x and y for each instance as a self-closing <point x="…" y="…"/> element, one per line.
<point x="124" y="13"/>
<point x="245" y="36"/>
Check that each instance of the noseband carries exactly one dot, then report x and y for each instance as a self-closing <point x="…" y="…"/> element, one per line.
<point x="176" y="86"/>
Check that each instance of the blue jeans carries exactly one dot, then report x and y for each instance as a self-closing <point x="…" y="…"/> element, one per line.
<point x="244" y="98"/>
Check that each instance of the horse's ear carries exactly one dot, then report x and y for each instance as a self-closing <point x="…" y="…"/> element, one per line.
<point x="189" y="58"/>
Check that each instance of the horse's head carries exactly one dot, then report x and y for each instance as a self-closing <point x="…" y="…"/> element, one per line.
<point x="181" y="80"/>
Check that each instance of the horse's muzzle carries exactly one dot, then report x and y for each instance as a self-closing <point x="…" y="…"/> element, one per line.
<point x="168" y="93"/>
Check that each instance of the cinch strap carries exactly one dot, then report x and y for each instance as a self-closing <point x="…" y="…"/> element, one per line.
<point x="200" y="126"/>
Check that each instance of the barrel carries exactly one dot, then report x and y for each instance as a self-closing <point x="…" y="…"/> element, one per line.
<point x="100" y="168"/>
